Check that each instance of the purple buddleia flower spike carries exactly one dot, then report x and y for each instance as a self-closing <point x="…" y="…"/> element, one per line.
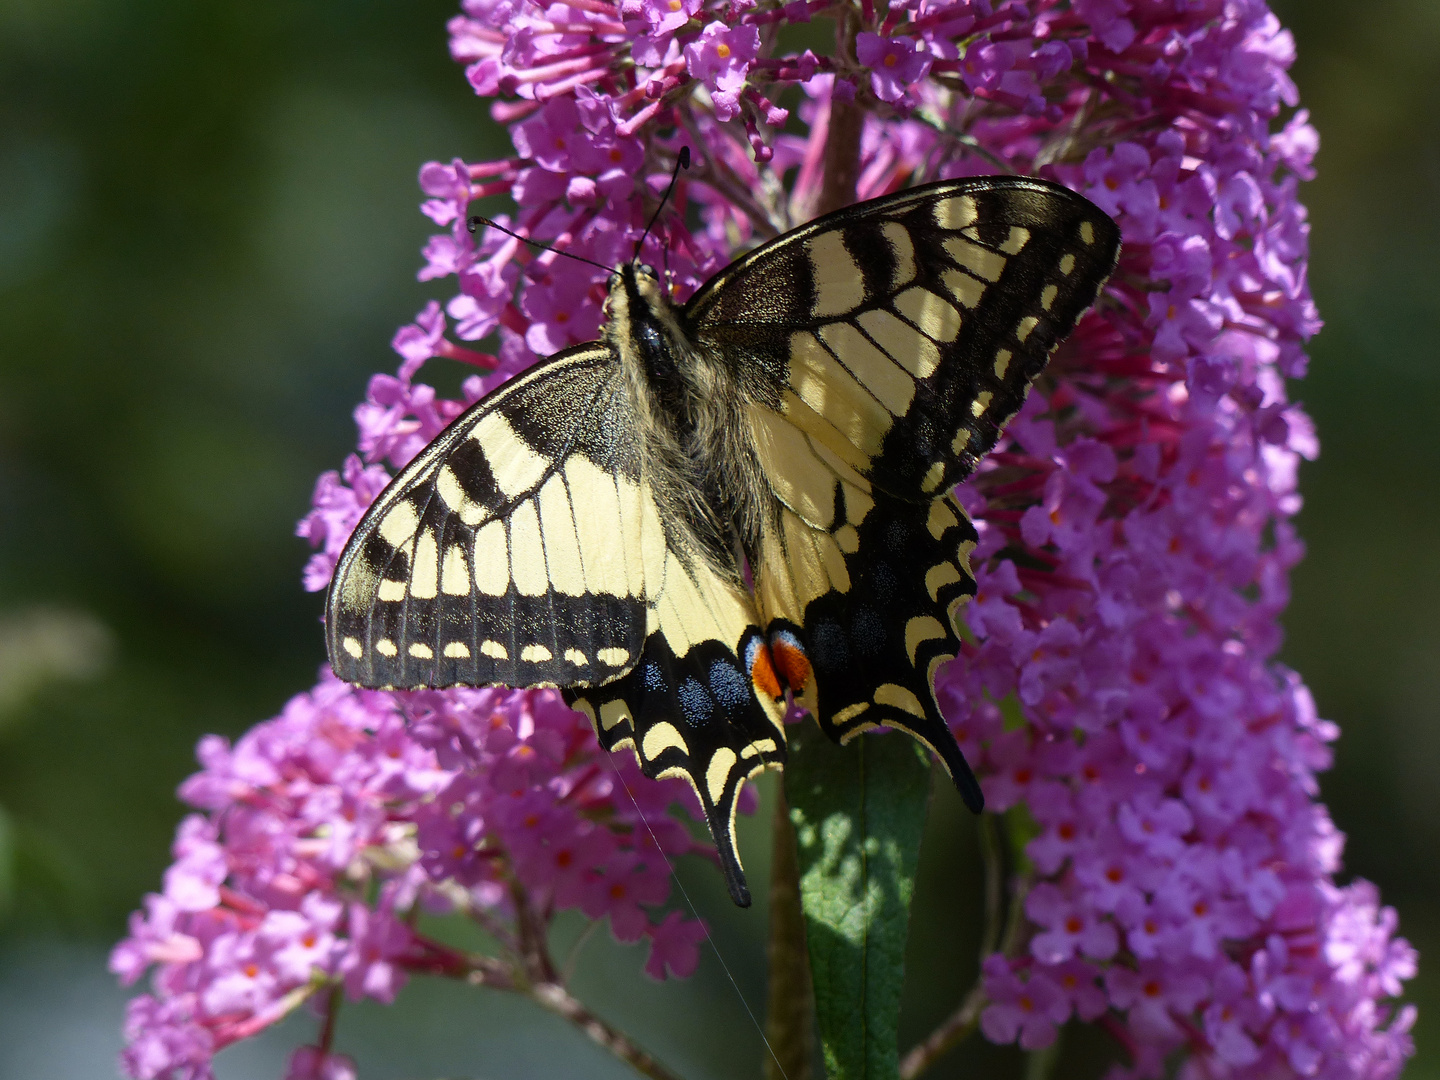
<point x="1136" y="535"/>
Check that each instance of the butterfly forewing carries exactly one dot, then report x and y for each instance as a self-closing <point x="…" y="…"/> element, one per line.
<point x="903" y="332"/>
<point x="512" y="550"/>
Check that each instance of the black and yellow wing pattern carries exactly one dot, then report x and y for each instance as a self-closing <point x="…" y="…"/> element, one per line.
<point x="888" y="344"/>
<point x="858" y="367"/>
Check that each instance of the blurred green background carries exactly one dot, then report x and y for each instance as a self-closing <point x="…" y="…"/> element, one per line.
<point x="208" y="234"/>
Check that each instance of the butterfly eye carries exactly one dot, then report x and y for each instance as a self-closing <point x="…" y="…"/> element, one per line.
<point x="649" y="271"/>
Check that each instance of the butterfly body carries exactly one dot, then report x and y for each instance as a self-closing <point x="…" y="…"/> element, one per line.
<point x="741" y="498"/>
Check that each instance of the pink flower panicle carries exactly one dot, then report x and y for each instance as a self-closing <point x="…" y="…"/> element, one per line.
<point x="322" y="833"/>
<point x="1135" y="524"/>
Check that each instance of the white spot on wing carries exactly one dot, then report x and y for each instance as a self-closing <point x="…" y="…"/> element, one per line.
<point x="942" y="517"/>
<point x="598" y="526"/>
<point x="515" y="466"/>
<point x="660" y="738"/>
<point x="492" y="561"/>
<point x="876" y="371"/>
<point x="352" y="646"/>
<point x="454" y="572"/>
<point x="839" y="284"/>
<point x="956" y="212"/>
<point x="897" y="697"/>
<point x="834" y="394"/>
<point x="536" y="654"/>
<point x="421" y="651"/>
<point x="457" y="650"/>
<point x="494" y="650"/>
<point x="919" y="629"/>
<point x="391" y="591"/>
<point x="1018" y="238"/>
<point x="386" y="647"/>
<point x="527" y="553"/>
<point x="915" y="352"/>
<point x="940" y="575"/>
<point x="980" y="261"/>
<point x="399" y="524"/>
<point x="614" y="712"/>
<point x="966" y="290"/>
<point x="718" y="772"/>
<point x="933" y="314"/>
<point x="903" y="248"/>
<point x="425" y="571"/>
<point x="562" y="547"/>
<point x="613" y="657"/>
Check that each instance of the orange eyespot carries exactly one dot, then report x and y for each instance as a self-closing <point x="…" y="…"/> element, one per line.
<point x="792" y="662"/>
<point x="762" y="673"/>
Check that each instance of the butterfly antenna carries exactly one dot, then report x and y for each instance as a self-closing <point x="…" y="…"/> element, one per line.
<point x="683" y="162"/>
<point x="476" y="221"/>
<point x="685" y="159"/>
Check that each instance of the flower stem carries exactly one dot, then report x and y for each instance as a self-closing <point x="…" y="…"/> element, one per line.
<point x="788" y="1016"/>
<point x="842" y="143"/>
<point x="558" y="1000"/>
<point x="953" y="1031"/>
<point x="1000" y="932"/>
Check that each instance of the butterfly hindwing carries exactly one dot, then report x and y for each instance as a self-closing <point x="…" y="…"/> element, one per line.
<point x="903" y="332"/>
<point x="518" y="548"/>
<point x="862" y="612"/>
<point x="702" y="703"/>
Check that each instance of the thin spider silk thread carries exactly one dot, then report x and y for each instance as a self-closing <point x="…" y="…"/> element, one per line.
<point x="693" y="911"/>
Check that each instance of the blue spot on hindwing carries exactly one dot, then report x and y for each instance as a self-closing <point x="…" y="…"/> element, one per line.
<point x="886" y="584"/>
<point x="868" y="632"/>
<point x="728" y="685"/>
<point x="653" y="677"/>
<point x="828" y="646"/>
<point x="696" y="704"/>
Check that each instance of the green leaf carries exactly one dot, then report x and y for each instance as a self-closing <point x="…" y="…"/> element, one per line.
<point x="858" y="812"/>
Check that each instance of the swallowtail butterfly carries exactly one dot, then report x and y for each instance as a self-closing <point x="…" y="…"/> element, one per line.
<point x="742" y="496"/>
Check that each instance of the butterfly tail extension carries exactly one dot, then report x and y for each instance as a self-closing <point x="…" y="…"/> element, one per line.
<point x="711" y="717"/>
